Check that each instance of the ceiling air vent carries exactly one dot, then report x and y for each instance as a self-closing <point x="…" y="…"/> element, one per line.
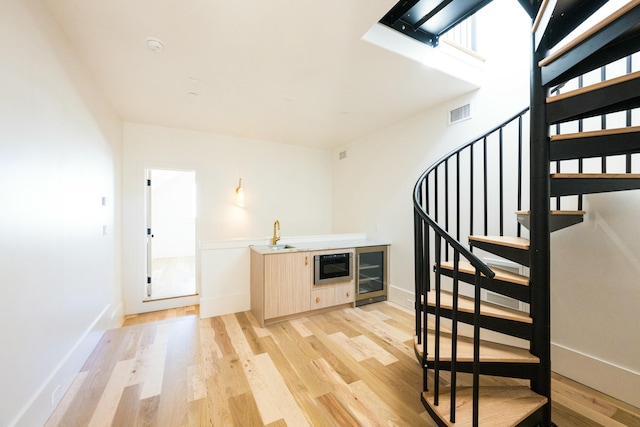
<point x="459" y="114"/>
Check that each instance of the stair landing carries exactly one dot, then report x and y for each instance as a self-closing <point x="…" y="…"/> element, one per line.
<point x="498" y="406"/>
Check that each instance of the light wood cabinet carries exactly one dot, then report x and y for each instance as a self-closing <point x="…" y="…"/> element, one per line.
<point x="282" y="286"/>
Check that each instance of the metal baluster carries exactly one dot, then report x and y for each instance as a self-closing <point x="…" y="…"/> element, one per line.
<point x="471" y="159"/>
<point x="458" y="196"/>
<point x="426" y="266"/>
<point x="580" y="170"/>
<point x="427" y="273"/>
<point x="436" y="196"/>
<point x="446" y="206"/>
<point x="486" y="205"/>
<point x="436" y="363"/>
<point x="558" y="165"/>
<point x="501" y="180"/>
<point x="454" y="336"/>
<point x="603" y="118"/>
<point x="418" y="239"/>
<point x="519" y="207"/>
<point x="629" y="116"/>
<point x="580" y="129"/>
<point x="476" y="349"/>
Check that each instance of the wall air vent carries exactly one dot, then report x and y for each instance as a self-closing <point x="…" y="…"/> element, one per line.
<point x="460" y="114"/>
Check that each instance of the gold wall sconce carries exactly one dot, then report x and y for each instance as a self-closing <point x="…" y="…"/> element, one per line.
<point x="240" y="194"/>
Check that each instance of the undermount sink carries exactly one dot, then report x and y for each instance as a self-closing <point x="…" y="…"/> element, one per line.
<point x="280" y="247"/>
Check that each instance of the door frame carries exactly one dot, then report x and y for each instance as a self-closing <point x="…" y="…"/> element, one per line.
<point x="134" y="292"/>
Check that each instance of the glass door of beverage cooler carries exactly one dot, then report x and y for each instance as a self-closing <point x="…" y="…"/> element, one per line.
<point x="372" y="274"/>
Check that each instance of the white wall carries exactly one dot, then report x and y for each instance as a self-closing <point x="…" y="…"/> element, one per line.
<point x="290" y="183"/>
<point x="596" y="297"/>
<point x="60" y="146"/>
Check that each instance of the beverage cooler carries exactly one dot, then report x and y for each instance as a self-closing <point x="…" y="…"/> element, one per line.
<point x="372" y="274"/>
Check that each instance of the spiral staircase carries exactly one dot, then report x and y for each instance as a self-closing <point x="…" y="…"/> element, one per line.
<point x="507" y="191"/>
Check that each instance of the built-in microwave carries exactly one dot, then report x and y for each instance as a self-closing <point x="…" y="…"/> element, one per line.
<point x="333" y="268"/>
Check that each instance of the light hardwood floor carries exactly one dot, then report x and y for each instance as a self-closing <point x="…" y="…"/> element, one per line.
<point x="352" y="367"/>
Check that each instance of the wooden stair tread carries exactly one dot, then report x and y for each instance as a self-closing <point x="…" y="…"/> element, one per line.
<point x="597" y="143"/>
<point x="589" y="33"/>
<point x="565" y="184"/>
<point x="498" y="405"/>
<point x="503" y="275"/>
<point x="594" y="87"/>
<point x="540" y="15"/>
<point x="595" y="175"/>
<point x="554" y="212"/>
<point x="490" y="352"/>
<point x="510" y="241"/>
<point x="466" y="305"/>
<point x="558" y="219"/>
<point x="594" y="133"/>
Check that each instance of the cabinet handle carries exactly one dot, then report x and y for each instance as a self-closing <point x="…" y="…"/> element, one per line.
<point x="348" y="294"/>
<point x="306" y="260"/>
<point x="317" y="300"/>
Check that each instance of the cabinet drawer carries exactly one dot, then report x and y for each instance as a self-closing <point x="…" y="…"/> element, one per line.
<point x="328" y="296"/>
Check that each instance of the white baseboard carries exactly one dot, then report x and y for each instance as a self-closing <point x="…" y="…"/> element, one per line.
<point x="224" y="304"/>
<point x="117" y="316"/>
<point x="600" y="375"/>
<point x="39" y="408"/>
<point x="401" y="297"/>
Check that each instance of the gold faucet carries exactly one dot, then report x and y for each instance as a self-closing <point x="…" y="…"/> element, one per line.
<point x="275" y="237"/>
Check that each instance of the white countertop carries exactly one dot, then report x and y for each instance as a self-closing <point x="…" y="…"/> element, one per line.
<point x="315" y="246"/>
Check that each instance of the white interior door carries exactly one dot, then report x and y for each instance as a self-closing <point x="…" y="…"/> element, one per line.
<point x="171" y="233"/>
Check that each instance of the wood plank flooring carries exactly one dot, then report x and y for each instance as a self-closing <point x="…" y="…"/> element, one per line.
<point x="351" y="367"/>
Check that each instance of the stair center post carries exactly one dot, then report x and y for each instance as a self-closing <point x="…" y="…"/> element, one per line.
<point x="540" y="243"/>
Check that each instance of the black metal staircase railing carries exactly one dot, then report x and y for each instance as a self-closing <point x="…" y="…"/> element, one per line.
<point x="470" y="192"/>
<point x="441" y="217"/>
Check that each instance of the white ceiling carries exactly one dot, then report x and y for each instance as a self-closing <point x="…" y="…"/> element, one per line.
<point x="292" y="71"/>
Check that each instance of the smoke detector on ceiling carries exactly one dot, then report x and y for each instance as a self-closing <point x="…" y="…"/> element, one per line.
<point x="155" y="44"/>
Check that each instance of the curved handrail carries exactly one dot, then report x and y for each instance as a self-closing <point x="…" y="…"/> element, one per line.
<point x="455" y="244"/>
<point x="473" y="259"/>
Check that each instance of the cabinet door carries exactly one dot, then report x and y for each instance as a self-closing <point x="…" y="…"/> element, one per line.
<point x="287" y="284"/>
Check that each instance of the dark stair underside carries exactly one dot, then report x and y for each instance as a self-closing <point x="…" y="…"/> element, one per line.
<point x="427" y="20"/>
